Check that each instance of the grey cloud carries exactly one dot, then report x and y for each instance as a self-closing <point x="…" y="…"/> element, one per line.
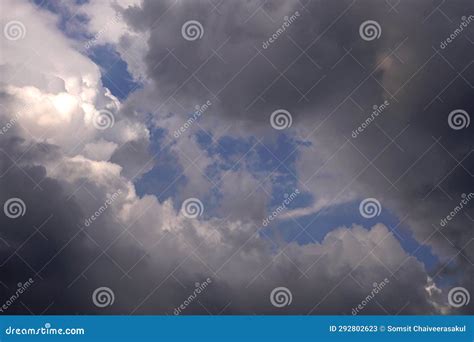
<point x="406" y="66"/>
<point x="153" y="257"/>
<point x="70" y="260"/>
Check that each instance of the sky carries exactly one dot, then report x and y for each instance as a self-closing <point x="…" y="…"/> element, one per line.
<point x="259" y="157"/>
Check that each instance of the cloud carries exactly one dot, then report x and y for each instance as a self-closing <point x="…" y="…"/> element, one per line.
<point x="66" y="169"/>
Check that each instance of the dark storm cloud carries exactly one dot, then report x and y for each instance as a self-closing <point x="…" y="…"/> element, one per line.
<point x="430" y="165"/>
<point x="153" y="259"/>
<point x="51" y="243"/>
<point x="68" y="261"/>
<point x="250" y="82"/>
<point x="30" y="242"/>
<point x="230" y="65"/>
